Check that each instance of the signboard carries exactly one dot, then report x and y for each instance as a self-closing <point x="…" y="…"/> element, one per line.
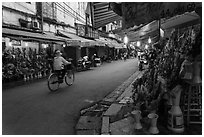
<point x="137" y="13"/>
<point x="15" y="42"/>
<point x="80" y="30"/>
<point x="86" y="31"/>
<point x="49" y="10"/>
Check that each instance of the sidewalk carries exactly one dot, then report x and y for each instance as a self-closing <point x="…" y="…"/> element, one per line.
<point x="22" y="82"/>
<point x="95" y="119"/>
<point x="112" y="116"/>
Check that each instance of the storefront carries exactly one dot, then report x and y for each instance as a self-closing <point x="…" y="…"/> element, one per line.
<point x="78" y="47"/>
<point x="173" y="76"/>
<point x="26" y="54"/>
<point x="73" y="51"/>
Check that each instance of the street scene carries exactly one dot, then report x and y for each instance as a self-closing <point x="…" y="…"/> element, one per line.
<point x="101" y="68"/>
<point x="33" y="109"/>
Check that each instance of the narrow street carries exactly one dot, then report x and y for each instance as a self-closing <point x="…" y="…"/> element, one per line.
<point x="33" y="110"/>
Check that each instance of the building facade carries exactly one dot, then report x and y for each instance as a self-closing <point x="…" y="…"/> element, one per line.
<point x="29" y="34"/>
<point x="32" y="31"/>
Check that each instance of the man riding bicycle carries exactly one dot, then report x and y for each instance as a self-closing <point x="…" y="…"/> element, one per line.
<point x="58" y="65"/>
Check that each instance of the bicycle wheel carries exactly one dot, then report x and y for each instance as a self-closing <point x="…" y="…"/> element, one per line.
<point x="69" y="77"/>
<point x="52" y="82"/>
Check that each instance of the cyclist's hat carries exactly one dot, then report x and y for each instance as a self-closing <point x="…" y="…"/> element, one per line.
<point x="58" y="52"/>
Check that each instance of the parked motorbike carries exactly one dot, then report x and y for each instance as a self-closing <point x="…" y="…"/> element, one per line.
<point x="108" y="59"/>
<point x="142" y="62"/>
<point x="83" y="64"/>
<point x="125" y="56"/>
<point x="97" y="62"/>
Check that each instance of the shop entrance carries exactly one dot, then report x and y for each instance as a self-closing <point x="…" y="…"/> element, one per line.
<point x="71" y="52"/>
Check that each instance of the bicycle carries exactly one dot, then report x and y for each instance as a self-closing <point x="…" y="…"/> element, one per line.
<point x="54" y="78"/>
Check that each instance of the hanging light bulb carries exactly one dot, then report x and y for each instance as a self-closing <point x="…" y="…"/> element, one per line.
<point x="44" y="45"/>
<point x="149" y="40"/>
<point x="64" y="46"/>
<point x="26" y="44"/>
<point x="161" y="33"/>
<point x="146" y="46"/>
<point x="10" y="44"/>
<point x="138" y="43"/>
<point x="124" y="46"/>
<point x="125" y="39"/>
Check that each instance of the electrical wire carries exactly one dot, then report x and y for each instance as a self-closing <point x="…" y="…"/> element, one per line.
<point x="61" y="9"/>
<point x="75" y="16"/>
<point x="65" y="11"/>
<point x="25" y="7"/>
<point x="71" y="14"/>
<point x="74" y="11"/>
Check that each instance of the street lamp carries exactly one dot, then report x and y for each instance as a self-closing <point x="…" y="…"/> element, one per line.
<point x="149" y="40"/>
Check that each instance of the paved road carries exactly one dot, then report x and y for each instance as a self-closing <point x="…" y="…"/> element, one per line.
<point x="33" y="110"/>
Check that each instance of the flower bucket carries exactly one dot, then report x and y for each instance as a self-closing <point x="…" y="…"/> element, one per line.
<point x="28" y="78"/>
<point x="31" y="76"/>
<point x="45" y="74"/>
<point x="153" y="123"/>
<point x="175" y="115"/>
<point x="24" y="78"/>
<point x="137" y="117"/>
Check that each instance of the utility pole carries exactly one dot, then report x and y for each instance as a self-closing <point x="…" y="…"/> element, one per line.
<point x="159" y="26"/>
<point x="42" y="17"/>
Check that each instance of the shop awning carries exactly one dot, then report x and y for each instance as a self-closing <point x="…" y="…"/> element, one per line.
<point x="119" y="46"/>
<point x="77" y="40"/>
<point x="177" y="21"/>
<point x="36" y="39"/>
<point x="137" y="13"/>
<point x="30" y="35"/>
<point x="72" y="36"/>
<point x="103" y="14"/>
<point x="100" y="42"/>
<point x="152" y="29"/>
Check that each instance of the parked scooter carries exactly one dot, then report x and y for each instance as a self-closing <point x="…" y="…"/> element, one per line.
<point x="142" y="62"/>
<point x="125" y="56"/>
<point x="97" y="62"/>
<point x="83" y="64"/>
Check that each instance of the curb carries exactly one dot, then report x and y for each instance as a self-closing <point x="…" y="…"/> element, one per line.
<point x="106" y="109"/>
<point x="115" y="109"/>
<point x="120" y="89"/>
<point x="14" y="84"/>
